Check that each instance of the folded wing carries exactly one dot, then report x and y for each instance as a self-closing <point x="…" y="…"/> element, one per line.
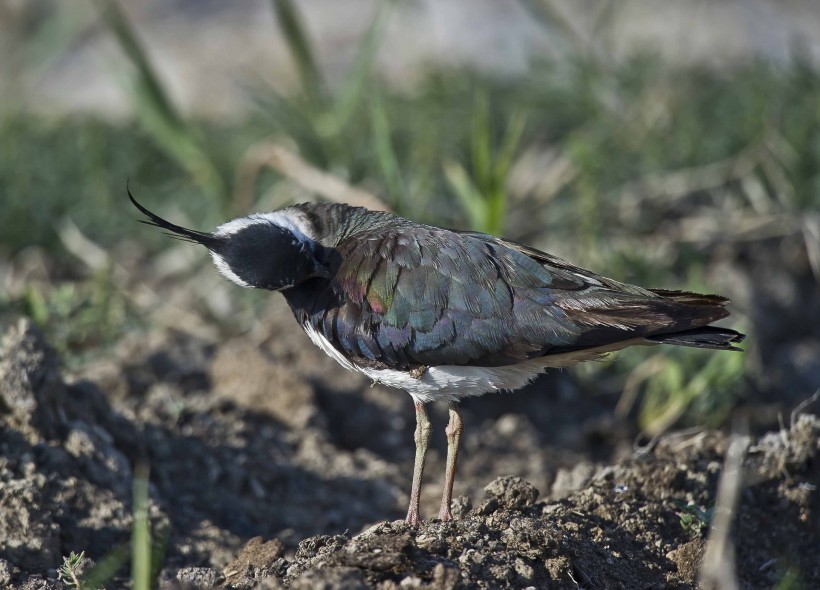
<point x="424" y="296"/>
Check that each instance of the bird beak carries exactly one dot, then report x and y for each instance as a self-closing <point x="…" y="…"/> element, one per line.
<point x="320" y="270"/>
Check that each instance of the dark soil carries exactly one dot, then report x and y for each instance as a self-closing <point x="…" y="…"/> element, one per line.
<point x="267" y="460"/>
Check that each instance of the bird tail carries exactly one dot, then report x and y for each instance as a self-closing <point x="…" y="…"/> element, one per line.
<point x="701" y="310"/>
<point x="705" y="337"/>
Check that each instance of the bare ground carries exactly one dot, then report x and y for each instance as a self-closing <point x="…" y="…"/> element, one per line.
<point x="267" y="460"/>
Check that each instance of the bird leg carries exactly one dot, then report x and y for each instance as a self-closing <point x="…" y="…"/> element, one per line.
<point x="422" y="437"/>
<point x="453" y="431"/>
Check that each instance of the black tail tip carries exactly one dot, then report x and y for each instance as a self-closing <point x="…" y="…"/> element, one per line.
<point x="705" y="337"/>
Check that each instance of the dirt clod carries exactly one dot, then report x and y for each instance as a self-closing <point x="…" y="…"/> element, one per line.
<point x="509" y="493"/>
<point x="687" y="559"/>
<point x="257" y="560"/>
<point x="198" y="577"/>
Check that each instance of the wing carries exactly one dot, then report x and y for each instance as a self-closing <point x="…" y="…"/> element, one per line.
<point x="424" y="296"/>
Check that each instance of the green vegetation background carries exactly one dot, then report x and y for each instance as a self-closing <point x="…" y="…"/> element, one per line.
<point x="638" y="170"/>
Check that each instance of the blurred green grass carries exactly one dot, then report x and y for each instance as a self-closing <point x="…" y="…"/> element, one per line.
<point x="644" y="147"/>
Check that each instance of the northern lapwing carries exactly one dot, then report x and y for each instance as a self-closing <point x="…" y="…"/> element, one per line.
<point x="443" y="314"/>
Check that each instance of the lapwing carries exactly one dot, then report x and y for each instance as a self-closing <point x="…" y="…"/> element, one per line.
<point x="443" y="314"/>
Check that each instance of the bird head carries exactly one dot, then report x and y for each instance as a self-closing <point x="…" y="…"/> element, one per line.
<point x="264" y="250"/>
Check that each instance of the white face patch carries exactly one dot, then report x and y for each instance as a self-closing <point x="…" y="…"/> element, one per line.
<point x="289" y="219"/>
<point x="226" y="271"/>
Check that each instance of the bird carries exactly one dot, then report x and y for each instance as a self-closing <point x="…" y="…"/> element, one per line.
<point x="441" y="313"/>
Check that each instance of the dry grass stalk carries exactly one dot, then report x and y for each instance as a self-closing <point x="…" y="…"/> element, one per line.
<point x="718" y="566"/>
<point x="276" y="156"/>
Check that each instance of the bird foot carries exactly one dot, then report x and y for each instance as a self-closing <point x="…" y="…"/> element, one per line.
<point x="445" y="515"/>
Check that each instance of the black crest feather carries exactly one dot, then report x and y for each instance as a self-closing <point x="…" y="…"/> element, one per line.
<point x="208" y="240"/>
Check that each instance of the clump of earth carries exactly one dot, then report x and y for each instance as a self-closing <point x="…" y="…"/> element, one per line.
<point x="270" y="467"/>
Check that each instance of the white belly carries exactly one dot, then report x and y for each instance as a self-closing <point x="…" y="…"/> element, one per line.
<point x="452" y="382"/>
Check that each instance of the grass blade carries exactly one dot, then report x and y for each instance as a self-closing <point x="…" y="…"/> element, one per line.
<point x="293" y="30"/>
<point x="468" y="196"/>
<point x="141" y="534"/>
<point x="157" y="111"/>
<point x="509" y="145"/>
<point x="125" y="35"/>
<point x="501" y="165"/>
<point x="480" y="141"/>
<point x="386" y="155"/>
<point x="106" y="568"/>
<point x="356" y="83"/>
